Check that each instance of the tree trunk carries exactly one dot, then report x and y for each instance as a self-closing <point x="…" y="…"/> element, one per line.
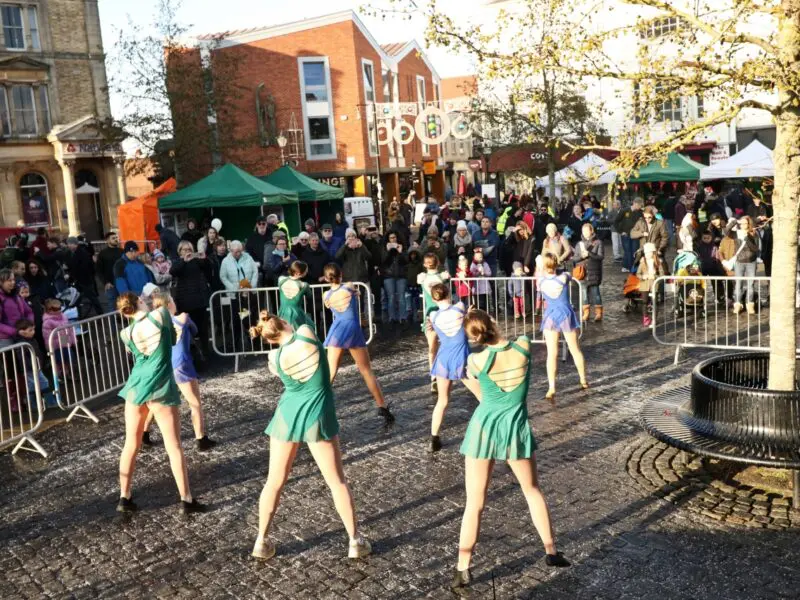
<point x="551" y="176"/>
<point x="782" y="321"/>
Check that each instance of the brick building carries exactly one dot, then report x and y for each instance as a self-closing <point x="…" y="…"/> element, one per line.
<point x="335" y="94"/>
<point x="54" y="168"/>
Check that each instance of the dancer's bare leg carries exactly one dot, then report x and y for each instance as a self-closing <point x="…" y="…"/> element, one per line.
<point x="361" y="358"/>
<point x="477" y="473"/>
<point x="551" y="339"/>
<point x="134" y="426"/>
<point x="281" y="457"/>
<point x="525" y="472"/>
<point x="191" y="391"/>
<point x="334" y="358"/>
<point x="443" y="387"/>
<point x="328" y="457"/>
<point x="577" y="355"/>
<point x="168" y="419"/>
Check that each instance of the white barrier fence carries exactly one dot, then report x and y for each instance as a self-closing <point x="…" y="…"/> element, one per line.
<point x="515" y="303"/>
<point x="89" y="361"/>
<point x="21" y="410"/>
<point x="698" y="312"/>
<point x="233" y="313"/>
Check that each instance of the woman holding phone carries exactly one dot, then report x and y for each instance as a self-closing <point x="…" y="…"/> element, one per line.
<point x="393" y="269"/>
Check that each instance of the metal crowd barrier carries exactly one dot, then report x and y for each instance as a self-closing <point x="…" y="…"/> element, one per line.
<point x="22" y="409"/>
<point x="697" y="312"/>
<point x="499" y="303"/>
<point x="96" y="364"/>
<point x="233" y="313"/>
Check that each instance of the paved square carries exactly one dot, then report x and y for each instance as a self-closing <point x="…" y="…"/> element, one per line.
<point x="61" y="538"/>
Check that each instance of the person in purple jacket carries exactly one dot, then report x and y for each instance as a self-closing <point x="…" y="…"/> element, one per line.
<point x="12" y="308"/>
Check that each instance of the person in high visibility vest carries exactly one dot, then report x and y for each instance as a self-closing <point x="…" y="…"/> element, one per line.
<point x="502" y="220"/>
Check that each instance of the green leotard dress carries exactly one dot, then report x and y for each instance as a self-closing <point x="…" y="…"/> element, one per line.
<point x="291" y="309"/>
<point x="152" y="378"/>
<point x="499" y="427"/>
<point x="428" y="303"/>
<point x="305" y="411"/>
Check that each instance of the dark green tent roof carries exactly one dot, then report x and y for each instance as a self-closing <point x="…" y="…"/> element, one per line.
<point x="228" y="186"/>
<point x="677" y="168"/>
<point x="306" y="187"/>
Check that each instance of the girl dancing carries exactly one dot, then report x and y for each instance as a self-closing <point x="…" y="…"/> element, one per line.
<point x="427" y="279"/>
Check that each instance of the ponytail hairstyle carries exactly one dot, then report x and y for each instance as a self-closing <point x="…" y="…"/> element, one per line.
<point x="298" y="269"/>
<point x="128" y="304"/>
<point x="480" y="327"/>
<point x="332" y="273"/>
<point x="268" y="328"/>
<point x="440" y="291"/>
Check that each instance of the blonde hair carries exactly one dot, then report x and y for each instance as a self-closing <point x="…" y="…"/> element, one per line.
<point x="160" y="299"/>
<point x="269" y="327"/>
<point x="127" y="304"/>
<point x="183" y="245"/>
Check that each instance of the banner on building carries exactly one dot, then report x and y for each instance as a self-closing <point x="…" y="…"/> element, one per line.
<point x="35" y="208"/>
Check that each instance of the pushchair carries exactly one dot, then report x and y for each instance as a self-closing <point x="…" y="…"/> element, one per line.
<point x="636" y="291"/>
<point x="689" y="293"/>
<point x="73" y="303"/>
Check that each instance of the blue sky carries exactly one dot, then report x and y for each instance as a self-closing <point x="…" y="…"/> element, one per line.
<point x="208" y="16"/>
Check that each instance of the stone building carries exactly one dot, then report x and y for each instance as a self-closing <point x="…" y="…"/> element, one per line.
<point x="55" y="169"/>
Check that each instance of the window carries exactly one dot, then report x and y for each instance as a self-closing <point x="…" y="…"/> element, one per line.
<point x="13" y="31"/>
<point x="671" y="109"/>
<point x="315" y="92"/>
<point x="368" y="73"/>
<point x="24" y="110"/>
<point x="44" y="106"/>
<point x="422" y="102"/>
<point x="5" y="118"/>
<point x="387" y="85"/>
<point x="701" y="109"/>
<point x="661" y="27"/>
<point x="34" y="196"/>
<point x="33" y="28"/>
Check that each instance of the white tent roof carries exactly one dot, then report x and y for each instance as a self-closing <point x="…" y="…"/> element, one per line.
<point x="753" y="161"/>
<point x="87" y="188"/>
<point x="589" y="169"/>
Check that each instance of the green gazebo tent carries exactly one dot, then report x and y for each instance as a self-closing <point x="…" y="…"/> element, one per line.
<point x="314" y="196"/>
<point x="676" y="168"/>
<point x="237" y="198"/>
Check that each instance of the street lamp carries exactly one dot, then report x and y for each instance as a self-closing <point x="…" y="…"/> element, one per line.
<point x="282" y="144"/>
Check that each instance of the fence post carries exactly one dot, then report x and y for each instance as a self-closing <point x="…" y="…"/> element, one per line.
<point x="23" y="422"/>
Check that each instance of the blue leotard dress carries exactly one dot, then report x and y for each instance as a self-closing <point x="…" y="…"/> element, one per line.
<point x="345" y="331"/>
<point x="182" y="363"/>
<point x="558" y="314"/>
<point x="451" y="358"/>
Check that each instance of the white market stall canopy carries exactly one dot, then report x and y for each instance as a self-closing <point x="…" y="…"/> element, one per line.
<point x="87" y="188"/>
<point x="753" y="161"/>
<point x="591" y="169"/>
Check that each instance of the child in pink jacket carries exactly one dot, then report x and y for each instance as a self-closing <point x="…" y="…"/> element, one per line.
<point x="62" y="343"/>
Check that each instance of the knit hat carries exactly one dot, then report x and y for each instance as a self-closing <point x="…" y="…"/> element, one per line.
<point x="158" y="254"/>
<point x="149" y="289"/>
<point x="130" y="245"/>
<point x="461" y="225"/>
<point x="326" y="226"/>
<point x="72" y="240"/>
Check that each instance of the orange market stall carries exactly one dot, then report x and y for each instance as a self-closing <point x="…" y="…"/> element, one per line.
<point x="138" y="218"/>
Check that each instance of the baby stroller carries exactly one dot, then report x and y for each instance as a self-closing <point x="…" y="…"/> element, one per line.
<point x="72" y="302"/>
<point x="689" y="293"/>
<point x="632" y="294"/>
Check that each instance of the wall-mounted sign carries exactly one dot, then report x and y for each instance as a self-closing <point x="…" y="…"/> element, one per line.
<point x="92" y="148"/>
<point x="35" y="210"/>
<point x="538" y="156"/>
<point x="476" y="164"/>
<point x="429" y="167"/>
<point x="334" y="181"/>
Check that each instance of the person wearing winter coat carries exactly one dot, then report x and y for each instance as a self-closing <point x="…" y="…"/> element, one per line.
<point x="329" y="242"/>
<point x="160" y="267"/>
<point x="12" y="308"/>
<point x="460" y="245"/>
<point x="651" y="267"/>
<point x="238" y="270"/>
<point x="354" y="258"/>
<point x="746" y="257"/>
<point x="648" y="229"/>
<point x="191" y="235"/>
<point x="169" y="241"/>
<point x="557" y="245"/>
<point x="489" y="242"/>
<point x="106" y="259"/>
<point x="393" y="270"/>
<point x="130" y="274"/>
<point x="625" y="222"/>
<point x="589" y="253"/>
<point x="316" y="258"/>
<point x="281" y="259"/>
<point x="192" y="273"/>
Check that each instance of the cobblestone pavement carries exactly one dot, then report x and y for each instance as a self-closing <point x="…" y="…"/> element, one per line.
<point x="61" y="538"/>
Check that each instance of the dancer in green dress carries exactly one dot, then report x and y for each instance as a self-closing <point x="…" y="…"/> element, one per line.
<point x="305" y="413"/>
<point x="499" y="430"/>
<point x="151" y="387"/>
<point x="293" y="292"/>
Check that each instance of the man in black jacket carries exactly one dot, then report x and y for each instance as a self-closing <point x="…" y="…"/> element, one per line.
<point x="254" y="245"/>
<point x="81" y="272"/>
<point x="169" y="241"/>
<point x="316" y="258"/>
<point x="106" y="259"/>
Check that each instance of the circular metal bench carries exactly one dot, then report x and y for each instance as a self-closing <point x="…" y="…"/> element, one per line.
<point x="728" y="413"/>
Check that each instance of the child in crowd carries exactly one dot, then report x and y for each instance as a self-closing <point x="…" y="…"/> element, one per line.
<point x="64" y="340"/>
<point x="414" y="291"/>
<point x="463" y="288"/>
<point x="480" y="269"/>
<point x="18" y="268"/>
<point x="26" y="333"/>
<point x="516" y="289"/>
<point x="160" y="267"/>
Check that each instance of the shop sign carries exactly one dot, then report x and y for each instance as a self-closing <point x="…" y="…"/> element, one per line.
<point x="93" y="148"/>
<point x="476" y="164"/>
<point x="719" y="153"/>
<point x="538" y="156"/>
<point x="334" y="181"/>
<point x="429" y="167"/>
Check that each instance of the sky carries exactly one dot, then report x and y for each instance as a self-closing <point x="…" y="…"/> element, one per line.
<point x="206" y="16"/>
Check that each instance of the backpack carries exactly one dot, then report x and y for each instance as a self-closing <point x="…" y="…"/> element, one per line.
<point x="8" y="256"/>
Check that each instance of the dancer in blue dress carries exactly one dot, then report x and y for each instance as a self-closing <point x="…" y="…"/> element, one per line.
<point x="559" y="317"/>
<point x="185" y="374"/>
<point x="345" y="334"/>
<point x="450" y="363"/>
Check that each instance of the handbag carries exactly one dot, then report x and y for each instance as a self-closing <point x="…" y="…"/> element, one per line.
<point x="579" y="270"/>
<point x="730" y="263"/>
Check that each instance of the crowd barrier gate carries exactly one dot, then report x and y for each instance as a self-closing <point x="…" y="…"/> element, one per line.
<point x="97" y="364"/>
<point x="22" y="410"/>
<point x="697" y="312"/>
<point x="234" y="312"/>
